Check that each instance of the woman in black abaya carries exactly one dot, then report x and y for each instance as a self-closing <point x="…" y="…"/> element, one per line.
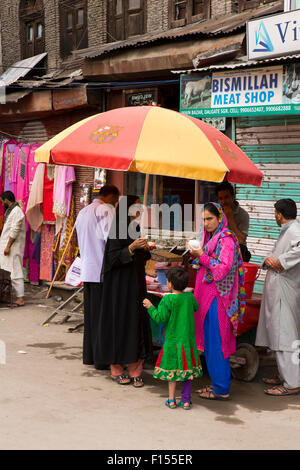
<point x="124" y="328"/>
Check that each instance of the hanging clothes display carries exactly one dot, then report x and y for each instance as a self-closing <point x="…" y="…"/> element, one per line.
<point x="11" y="149"/>
<point x="61" y="242"/>
<point x="34" y="213"/>
<point x="46" y="258"/>
<point x="2" y="177"/>
<point x="45" y="194"/>
<point x="30" y="264"/>
<point x="62" y="195"/>
<point x="19" y="179"/>
<point x="48" y="214"/>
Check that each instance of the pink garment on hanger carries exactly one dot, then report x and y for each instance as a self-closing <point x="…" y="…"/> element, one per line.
<point x="2" y="175"/>
<point x="32" y="164"/>
<point x="33" y="266"/>
<point x="8" y="156"/>
<point x="20" y="174"/>
<point x="64" y="177"/>
<point x="46" y="263"/>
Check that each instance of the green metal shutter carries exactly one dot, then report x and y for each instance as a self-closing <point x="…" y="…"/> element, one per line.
<point x="273" y="144"/>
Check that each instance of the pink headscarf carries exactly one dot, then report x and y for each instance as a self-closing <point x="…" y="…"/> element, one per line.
<point x="231" y="289"/>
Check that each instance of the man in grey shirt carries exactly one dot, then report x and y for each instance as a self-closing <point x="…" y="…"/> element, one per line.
<point x="238" y="218"/>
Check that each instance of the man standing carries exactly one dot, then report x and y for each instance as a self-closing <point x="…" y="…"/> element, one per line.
<point x="279" y="321"/>
<point x="12" y="244"/>
<point x="238" y="218"/>
<point x="92" y="227"/>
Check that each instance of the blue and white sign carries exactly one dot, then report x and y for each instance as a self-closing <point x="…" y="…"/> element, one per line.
<point x="275" y="35"/>
<point x="259" y="91"/>
<point x="252" y="87"/>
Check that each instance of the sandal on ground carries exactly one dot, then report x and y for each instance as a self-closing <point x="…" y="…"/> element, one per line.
<point x="185" y="405"/>
<point x="138" y="382"/>
<point x="171" y="403"/>
<point x="120" y="379"/>
<point x="274" y="381"/>
<point x="15" y="305"/>
<point x="208" y="388"/>
<point x="281" y="391"/>
<point x="211" y="395"/>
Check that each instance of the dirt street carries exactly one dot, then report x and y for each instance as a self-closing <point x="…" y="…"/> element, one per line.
<point x="50" y="400"/>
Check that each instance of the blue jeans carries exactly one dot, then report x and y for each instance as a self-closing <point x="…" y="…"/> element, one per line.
<point x="218" y="367"/>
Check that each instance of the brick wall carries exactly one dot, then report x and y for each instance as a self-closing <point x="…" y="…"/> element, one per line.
<point x="9" y="17"/>
<point x="222" y="8"/>
<point x="97" y="18"/>
<point x="157" y="20"/>
<point x="157" y="15"/>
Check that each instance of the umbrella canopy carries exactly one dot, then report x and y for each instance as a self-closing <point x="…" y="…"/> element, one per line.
<point x="153" y="140"/>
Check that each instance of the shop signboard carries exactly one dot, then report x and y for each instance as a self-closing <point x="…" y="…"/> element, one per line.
<point x="244" y="92"/>
<point x="275" y="35"/>
<point x="144" y="97"/>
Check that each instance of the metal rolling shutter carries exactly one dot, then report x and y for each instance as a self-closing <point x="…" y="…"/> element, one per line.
<point x="273" y="144"/>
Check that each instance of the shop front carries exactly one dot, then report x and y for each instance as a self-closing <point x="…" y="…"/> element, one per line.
<point x="27" y="120"/>
<point x="261" y="106"/>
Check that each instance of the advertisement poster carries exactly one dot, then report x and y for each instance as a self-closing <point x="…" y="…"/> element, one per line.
<point x="272" y="90"/>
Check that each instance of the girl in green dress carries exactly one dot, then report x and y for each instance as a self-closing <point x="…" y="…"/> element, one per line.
<point x="179" y="360"/>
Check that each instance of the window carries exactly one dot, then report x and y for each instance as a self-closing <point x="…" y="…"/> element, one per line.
<point x="32" y="27"/>
<point x="247" y="4"/>
<point x="73" y="26"/>
<point x="182" y="12"/>
<point x="126" y="18"/>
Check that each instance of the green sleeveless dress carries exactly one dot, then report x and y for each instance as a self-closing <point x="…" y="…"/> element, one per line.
<point x="179" y="359"/>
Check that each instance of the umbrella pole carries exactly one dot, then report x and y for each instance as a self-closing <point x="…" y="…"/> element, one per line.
<point x="196" y="204"/>
<point x="145" y="204"/>
<point x="60" y="262"/>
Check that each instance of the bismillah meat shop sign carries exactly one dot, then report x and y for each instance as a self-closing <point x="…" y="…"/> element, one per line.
<point x="243" y="92"/>
<point x="273" y="36"/>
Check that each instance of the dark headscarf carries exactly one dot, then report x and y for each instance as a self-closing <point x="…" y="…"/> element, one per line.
<point x="119" y="231"/>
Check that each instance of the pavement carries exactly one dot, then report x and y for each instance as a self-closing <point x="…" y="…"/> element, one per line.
<point x="49" y="400"/>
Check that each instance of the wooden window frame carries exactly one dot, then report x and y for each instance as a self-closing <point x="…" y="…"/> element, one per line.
<point x="31" y="18"/>
<point x="124" y="16"/>
<point x="69" y="34"/>
<point x="189" y="18"/>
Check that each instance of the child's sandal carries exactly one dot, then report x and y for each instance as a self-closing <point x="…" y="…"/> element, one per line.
<point x="171" y="403"/>
<point x="184" y="405"/>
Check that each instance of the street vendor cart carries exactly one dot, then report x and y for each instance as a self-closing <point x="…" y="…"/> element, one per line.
<point x="153" y="141"/>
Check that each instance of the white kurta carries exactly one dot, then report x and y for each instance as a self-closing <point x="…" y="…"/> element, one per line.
<point x="14" y="227"/>
<point x="279" y="321"/>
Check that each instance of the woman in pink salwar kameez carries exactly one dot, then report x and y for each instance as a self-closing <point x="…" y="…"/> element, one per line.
<point x="220" y="293"/>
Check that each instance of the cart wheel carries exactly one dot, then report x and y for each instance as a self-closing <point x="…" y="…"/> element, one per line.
<point x="247" y="371"/>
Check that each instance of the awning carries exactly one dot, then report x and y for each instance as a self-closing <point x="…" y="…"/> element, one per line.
<point x="16" y="96"/>
<point x="20" y="69"/>
<point x="162" y="57"/>
<point x="240" y="64"/>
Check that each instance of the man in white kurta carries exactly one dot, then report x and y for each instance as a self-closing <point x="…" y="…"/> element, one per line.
<point x="92" y="226"/>
<point x="12" y="244"/>
<point x="279" y="321"/>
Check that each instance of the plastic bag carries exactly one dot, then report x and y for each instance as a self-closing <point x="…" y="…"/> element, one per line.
<point x="73" y="274"/>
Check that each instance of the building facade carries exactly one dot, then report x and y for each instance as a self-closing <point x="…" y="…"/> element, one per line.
<point x="105" y="54"/>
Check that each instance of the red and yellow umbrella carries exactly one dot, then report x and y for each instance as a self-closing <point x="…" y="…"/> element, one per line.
<point x="151" y="140"/>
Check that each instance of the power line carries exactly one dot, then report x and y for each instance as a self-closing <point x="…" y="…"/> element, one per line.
<point x="98" y="85"/>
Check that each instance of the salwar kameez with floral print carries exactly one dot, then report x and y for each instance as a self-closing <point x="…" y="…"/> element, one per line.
<point x="179" y="359"/>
